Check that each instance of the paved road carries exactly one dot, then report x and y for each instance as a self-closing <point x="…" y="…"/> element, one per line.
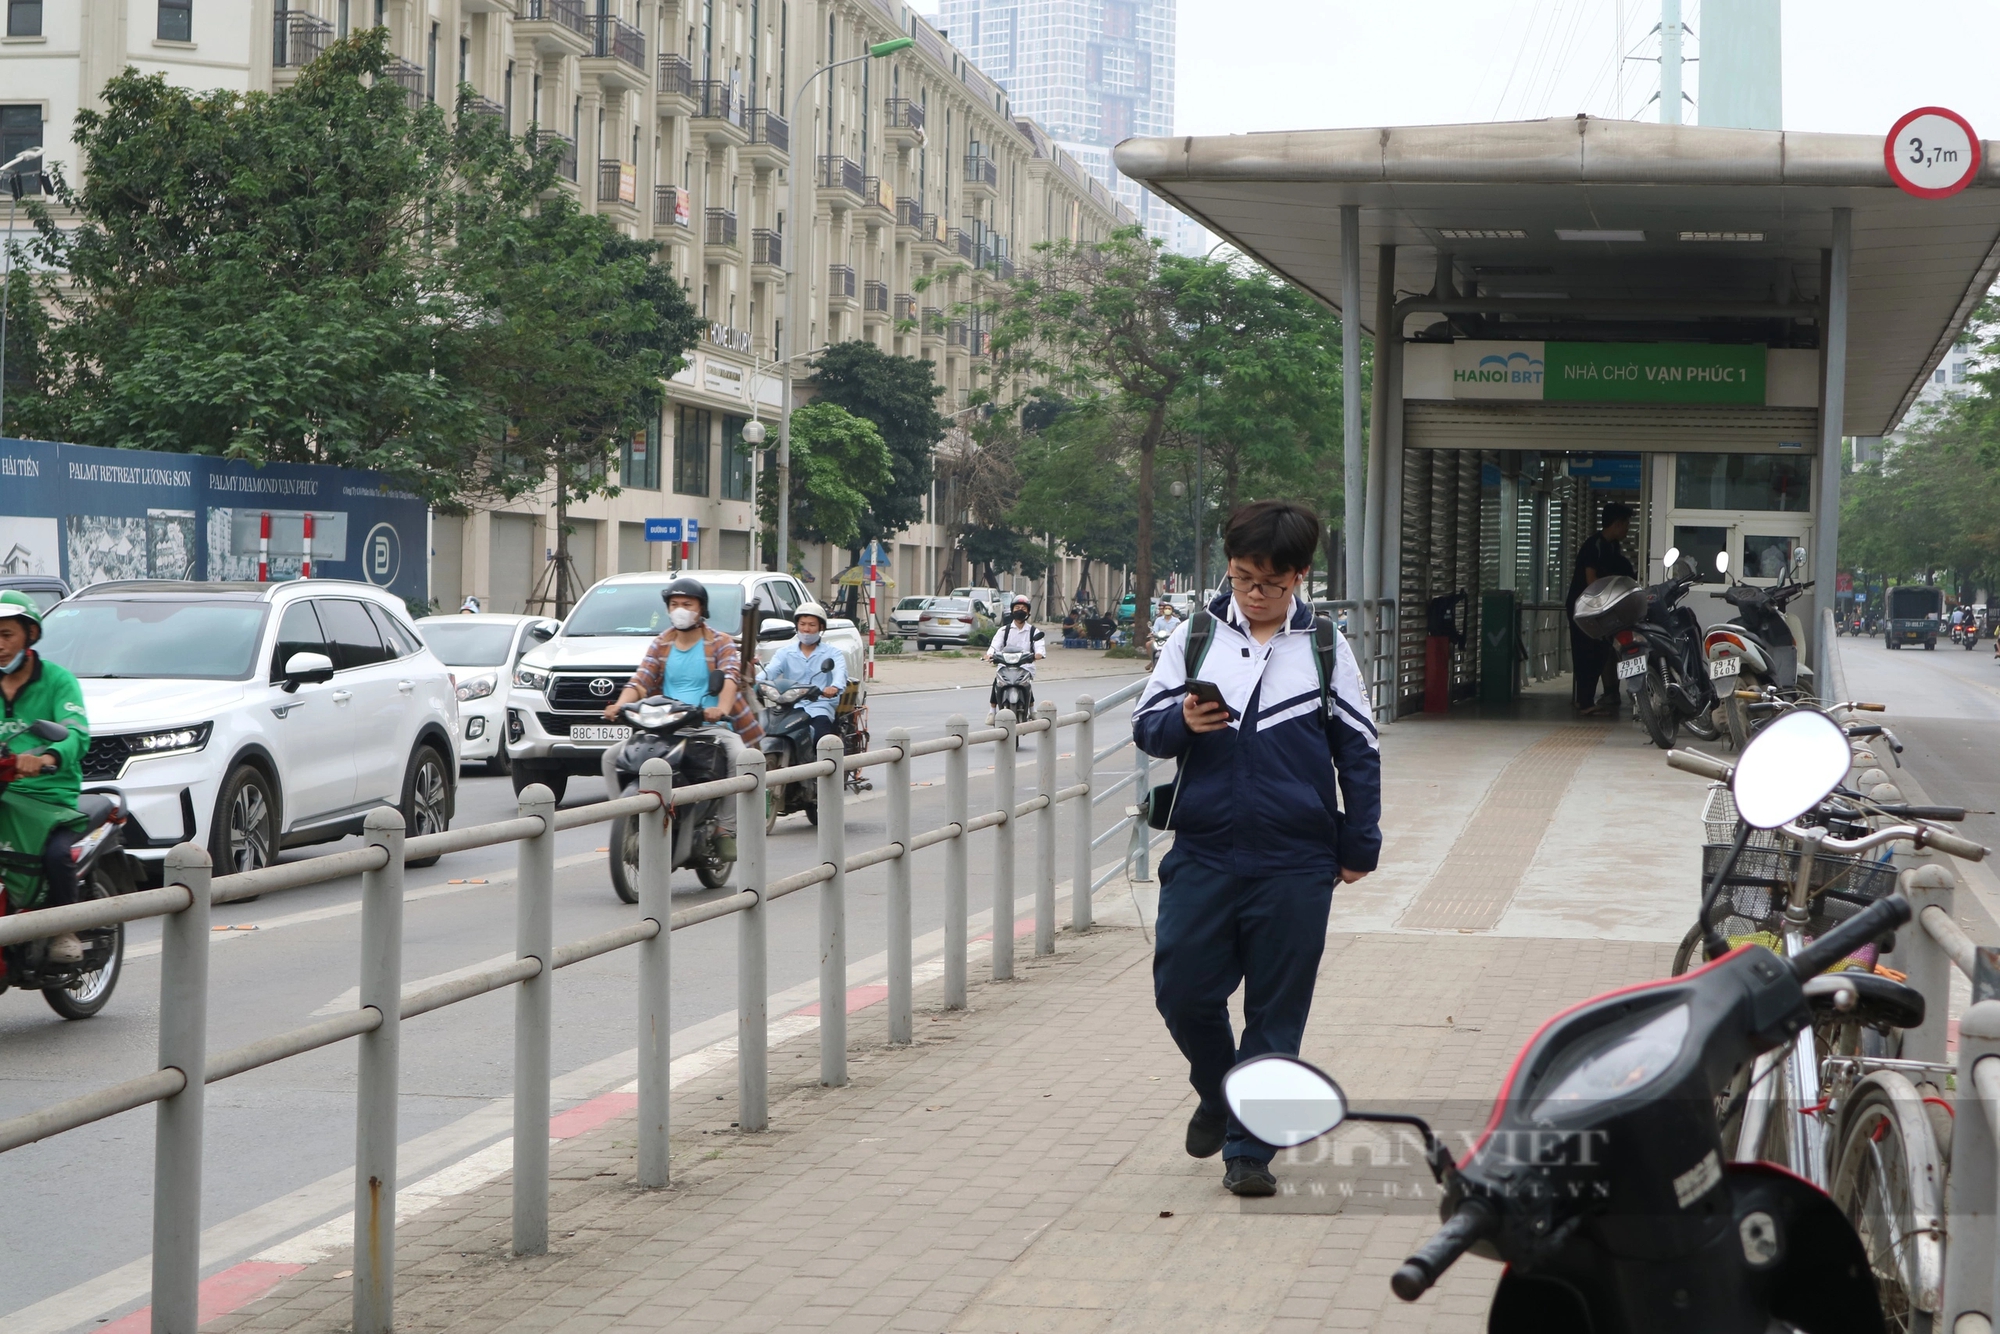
<point x="277" y="1129"/>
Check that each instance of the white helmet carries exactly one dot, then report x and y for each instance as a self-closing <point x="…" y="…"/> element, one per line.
<point x="1020" y="600"/>
<point x="811" y="608"/>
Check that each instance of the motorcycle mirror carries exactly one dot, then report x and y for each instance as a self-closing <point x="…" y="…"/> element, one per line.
<point x="1789" y="767"/>
<point x="1722" y="562"/>
<point x="826" y="664"/>
<point x="48" y="729"/>
<point x="776" y="627"/>
<point x="1282" y="1100"/>
<point x="1672" y="558"/>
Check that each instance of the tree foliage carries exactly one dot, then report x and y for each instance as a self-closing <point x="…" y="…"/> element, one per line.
<point x="899" y="396"/>
<point x="838" y="461"/>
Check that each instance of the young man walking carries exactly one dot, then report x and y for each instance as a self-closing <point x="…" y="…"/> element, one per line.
<point x="1279" y="796"/>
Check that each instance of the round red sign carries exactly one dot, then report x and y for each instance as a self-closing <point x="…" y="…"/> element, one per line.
<point x="1932" y="153"/>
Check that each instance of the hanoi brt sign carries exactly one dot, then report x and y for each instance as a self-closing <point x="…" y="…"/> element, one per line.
<point x="1603" y="372"/>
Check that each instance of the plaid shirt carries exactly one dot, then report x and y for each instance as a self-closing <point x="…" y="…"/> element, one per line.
<point x="720" y="651"/>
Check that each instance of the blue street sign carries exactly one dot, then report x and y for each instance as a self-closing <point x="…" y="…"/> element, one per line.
<point x="691" y="531"/>
<point x="663" y="530"/>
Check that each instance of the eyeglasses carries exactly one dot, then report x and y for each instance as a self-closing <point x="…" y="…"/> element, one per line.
<point x="1257" y="589"/>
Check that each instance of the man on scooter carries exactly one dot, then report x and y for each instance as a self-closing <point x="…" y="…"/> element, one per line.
<point x="38" y="805"/>
<point x="1017" y="634"/>
<point x="798" y="664"/>
<point x="677" y="665"/>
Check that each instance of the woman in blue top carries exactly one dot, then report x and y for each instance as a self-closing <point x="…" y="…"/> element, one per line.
<point x="805" y="662"/>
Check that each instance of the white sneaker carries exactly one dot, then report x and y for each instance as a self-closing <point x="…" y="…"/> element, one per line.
<point x="66" y="948"/>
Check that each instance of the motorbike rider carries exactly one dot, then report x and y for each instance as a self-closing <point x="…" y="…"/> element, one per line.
<point x="1164" y="623"/>
<point x="677" y="665"/>
<point x="1017" y="634"/>
<point x="797" y="664"/>
<point x="38" y="808"/>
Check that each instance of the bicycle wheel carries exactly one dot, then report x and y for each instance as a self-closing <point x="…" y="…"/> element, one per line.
<point x="1889" y="1181"/>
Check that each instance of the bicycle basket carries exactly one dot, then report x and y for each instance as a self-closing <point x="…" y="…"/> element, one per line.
<point x="1718" y="820"/>
<point x="1753" y="896"/>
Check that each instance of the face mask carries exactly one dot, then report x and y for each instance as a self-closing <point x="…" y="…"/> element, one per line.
<point x="809" y="639"/>
<point x="683" y="617"/>
<point x="1020" y="613"/>
<point x="13" y="665"/>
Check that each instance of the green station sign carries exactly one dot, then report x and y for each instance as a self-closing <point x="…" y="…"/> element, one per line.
<point x="1652" y="373"/>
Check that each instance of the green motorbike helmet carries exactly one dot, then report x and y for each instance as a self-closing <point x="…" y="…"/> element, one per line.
<point x="14" y="603"/>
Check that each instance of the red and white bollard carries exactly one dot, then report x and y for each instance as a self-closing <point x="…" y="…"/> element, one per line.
<point x="264" y="549"/>
<point x="872" y="577"/>
<point x="306" y="561"/>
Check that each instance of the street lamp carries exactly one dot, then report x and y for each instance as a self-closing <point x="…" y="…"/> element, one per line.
<point x="795" y="297"/>
<point x="7" y="276"/>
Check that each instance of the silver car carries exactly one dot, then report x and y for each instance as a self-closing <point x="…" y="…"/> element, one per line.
<point x="951" y="622"/>
<point x="904" y="614"/>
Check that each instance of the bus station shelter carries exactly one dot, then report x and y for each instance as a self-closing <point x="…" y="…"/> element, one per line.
<point x="1568" y="313"/>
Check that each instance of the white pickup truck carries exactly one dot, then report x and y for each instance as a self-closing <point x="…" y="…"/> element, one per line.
<point x="561" y="687"/>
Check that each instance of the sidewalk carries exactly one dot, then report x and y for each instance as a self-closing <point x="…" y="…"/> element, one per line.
<point x="1020" y="1166"/>
<point x="909" y="670"/>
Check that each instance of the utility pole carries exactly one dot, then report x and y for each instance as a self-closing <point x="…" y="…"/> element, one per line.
<point x="1670" y="62"/>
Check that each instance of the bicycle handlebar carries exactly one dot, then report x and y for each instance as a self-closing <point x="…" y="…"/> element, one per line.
<point x="1879" y="916"/>
<point x="1953" y="844"/>
<point x="1472" y="1222"/>
<point x="1695" y="762"/>
<point x="1922" y="835"/>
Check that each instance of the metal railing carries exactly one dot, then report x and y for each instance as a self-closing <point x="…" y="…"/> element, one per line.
<point x="613" y="37"/>
<point x="980" y="170"/>
<point x="875" y="296"/>
<point x="676" y="76"/>
<point x="767" y="247"/>
<point x="839" y="281"/>
<point x="721" y="226"/>
<point x="716" y="99"/>
<point x="672" y="206"/>
<point x="909" y="212"/>
<point x="569" y="13"/>
<point x="177" y="1087"/>
<point x="1544" y="631"/>
<point x="563" y="147"/>
<point x="1371" y="633"/>
<point x="768" y="127"/>
<point x="298" y="38"/>
<point x="484" y="106"/>
<point x="906" y="306"/>
<point x="964" y="243"/>
<point x="905" y="114"/>
<point x="840" y="173"/>
<point x="610" y="180"/>
<point x="408" y="76"/>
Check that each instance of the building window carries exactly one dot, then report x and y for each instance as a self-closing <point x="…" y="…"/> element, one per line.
<point x="21" y="129"/>
<point x="639" y="462"/>
<point x="735" y="459"/>
<point x="431" y="66"/>
<point x="1743" y="482"/>
<point x="176" y="20"/>
<point x="691" y="452"/>
<point x="24" y="19"/>
<point x="1937" y="376"/>
<point x="1958" y="372"/>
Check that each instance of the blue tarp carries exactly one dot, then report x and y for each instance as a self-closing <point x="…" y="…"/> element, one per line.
<point x="92" y="514"/>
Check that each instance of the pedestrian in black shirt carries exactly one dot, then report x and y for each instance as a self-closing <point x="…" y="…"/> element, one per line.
<point x="1598" y="557"/>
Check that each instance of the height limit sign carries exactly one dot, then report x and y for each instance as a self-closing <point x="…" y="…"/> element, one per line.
<point x="1932" y="153"/>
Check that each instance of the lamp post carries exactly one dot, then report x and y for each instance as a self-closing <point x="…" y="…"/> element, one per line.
<point x="795" y="297"/>
<point x="12" y="165"/>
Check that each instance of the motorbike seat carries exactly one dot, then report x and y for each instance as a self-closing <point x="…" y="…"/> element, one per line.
<point x="100" y="807"/>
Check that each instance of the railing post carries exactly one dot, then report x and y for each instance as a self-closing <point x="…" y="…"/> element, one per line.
<point x="1141" y="831"/>
<point x="833" y="919"/>
<point x="902" y="1019"/>
<point x="753" y="1018"/>
<point x="1045" y="833"/>
<point x="1005" y="776"/>
<point x="534" y="938"/>
<point x="378" y="1062"/>
<point x="1973" y="1193"/>
<point x="957" y="805"/>
<point x="1086" y="748"/>
<point x="656" y="973"/>
<point x="1924" y="961"/>
<point x="177" y="1120"/>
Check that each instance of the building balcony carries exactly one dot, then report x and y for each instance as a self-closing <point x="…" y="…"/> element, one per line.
<point x="617" y="183"/>
<point x="930" y="233"/>
<point x="840" y="286"/>
<point x="767" y="248"/>
<point x="409" y="77"/>
<point x="842" y="177"/>
<point x="556" y="27"/>
<point x="485" y="106"/>
<point x="909" y="214"/>
<point x="674" y="81"/>
<point x="878" y="202"/>
<point x="770" y="139"/>
<point x="905" y="126"/>
<point x="982" y="177"/>
<point x="298" y="39"/>
<point x="906" y="307"/>
<point x="617" y="54"/>
<point x="721" y="114"/>
<point x="721" y="230"/>
<point x="875" y="299"/>
<point x="672" y="207"/>
<point x="964" y="245"/>
<point x="564" y="148"/>
<point x="957" y="334"/>
<point x="934" y="324"/>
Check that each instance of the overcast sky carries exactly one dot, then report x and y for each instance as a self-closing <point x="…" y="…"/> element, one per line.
<point x="1849" y="65"/>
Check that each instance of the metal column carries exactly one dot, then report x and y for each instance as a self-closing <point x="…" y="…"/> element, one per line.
<point x="1045" y="833"/>
<point x="1353" y="461"/>
<point x="1372" y="527"/>
<point x="1833" y="411"/>
<point x="753" y="1019"/>
<point x="656" y="972"/>
<point x="1079" y="888"/>
<point x="902" y="1021"/>
<point x="1005" y="777"/>
<point x="957" y="805"/>
<point x="177" y="1120"/>
<point x="378" y="1056"/>
<point x="833" y="918"/>
<point x="534" y="938"/>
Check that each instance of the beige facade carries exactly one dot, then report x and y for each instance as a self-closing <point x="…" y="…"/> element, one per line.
<point x="675" y="117"/>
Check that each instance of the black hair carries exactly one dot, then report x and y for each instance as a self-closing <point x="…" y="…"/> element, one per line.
<point x="1283" y="534"/>
<point x="1616" y="513"/>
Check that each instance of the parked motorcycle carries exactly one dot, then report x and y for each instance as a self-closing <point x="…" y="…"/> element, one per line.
<point x="1600" y="1179"/>
<point x="1014" y="684"/>
<point x="666" y="729"/>
<point x="788" y="740"/>
<point x="1656" y="644"/>
<point x="1757" y="649"/>
<point x="73" y="990"/>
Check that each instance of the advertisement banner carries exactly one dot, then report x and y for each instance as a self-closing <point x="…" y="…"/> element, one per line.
<point x="88" y="515"/>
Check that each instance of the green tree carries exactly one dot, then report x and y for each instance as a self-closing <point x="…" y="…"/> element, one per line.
<point x="900" y="397"/>
<point x="838" y="461"/>
<point x="28" y="404"/>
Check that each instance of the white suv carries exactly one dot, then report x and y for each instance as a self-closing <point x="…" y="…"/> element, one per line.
<point x="253" y="717"/>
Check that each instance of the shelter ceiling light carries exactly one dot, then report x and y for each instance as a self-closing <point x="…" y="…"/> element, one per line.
<point x="1722" y="236"/>
<point x="1482" y="234"/>
<point x="1598" y="234"/>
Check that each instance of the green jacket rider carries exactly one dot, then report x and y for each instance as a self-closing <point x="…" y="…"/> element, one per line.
<point x="38" y="814"/>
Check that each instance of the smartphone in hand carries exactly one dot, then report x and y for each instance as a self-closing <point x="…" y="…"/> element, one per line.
<point x="1207" y="692"/>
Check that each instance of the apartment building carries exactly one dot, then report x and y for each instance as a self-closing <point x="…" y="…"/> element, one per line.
<point x="679" y="120"/>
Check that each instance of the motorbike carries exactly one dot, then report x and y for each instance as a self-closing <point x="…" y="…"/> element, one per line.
<point x="1964" y="635"/>
<point x="788" y="740"/>
<point x="1659" y="661"/>
<point x="1757" y="650"/>
<point x="73" y="990"/>
<point x="1600" y="1179"/>
<point x="666" y="729"/>
<point x="1014" y="684"/>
